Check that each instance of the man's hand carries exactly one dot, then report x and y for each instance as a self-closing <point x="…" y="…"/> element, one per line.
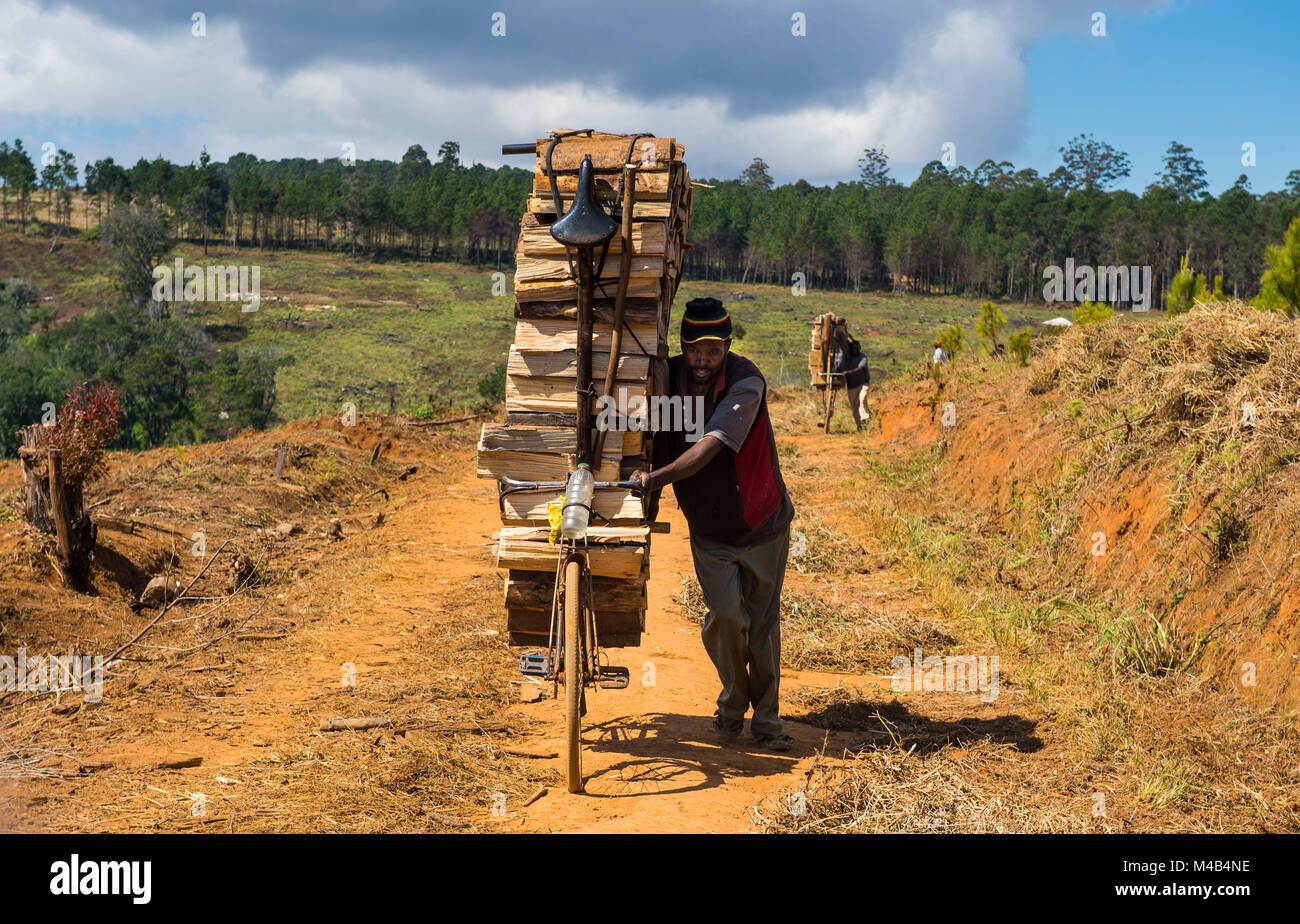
<point x="684" y="466"/>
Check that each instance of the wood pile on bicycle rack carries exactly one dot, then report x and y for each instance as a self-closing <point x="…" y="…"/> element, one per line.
<point x="538" y="442"/>
<point x="822" y="327"/>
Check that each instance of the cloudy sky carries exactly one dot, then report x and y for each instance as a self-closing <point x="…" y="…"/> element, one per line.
<point x="1009" y="80"/>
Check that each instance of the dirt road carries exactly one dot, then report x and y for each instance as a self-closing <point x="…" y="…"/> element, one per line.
<point x="650" y="760"/>
<point x="413" y="607"/>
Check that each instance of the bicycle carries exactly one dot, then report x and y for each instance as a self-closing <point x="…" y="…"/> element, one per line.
<point x="573" y="654"/>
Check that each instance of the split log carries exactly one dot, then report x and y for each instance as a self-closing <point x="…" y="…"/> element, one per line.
<point x="645" y="311"/>
<point x="617" y="560"/>
<point x="542" y="466"/>
<point x="556" y="336"/>
<point x="649" y="238"/>
<point x="564" y="364"/>
<point x="543" y="205"/>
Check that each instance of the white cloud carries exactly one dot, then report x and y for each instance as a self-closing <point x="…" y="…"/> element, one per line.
<point x="962" y="81"/>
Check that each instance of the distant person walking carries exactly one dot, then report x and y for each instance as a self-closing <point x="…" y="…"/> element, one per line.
<point x="940" y="354"/>
<point x="857" y="379"/>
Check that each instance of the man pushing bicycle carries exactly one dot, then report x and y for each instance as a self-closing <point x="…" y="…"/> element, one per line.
<point x="728" y="485"/>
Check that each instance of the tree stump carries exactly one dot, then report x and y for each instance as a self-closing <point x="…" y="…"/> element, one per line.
<point x="54" y="507"/>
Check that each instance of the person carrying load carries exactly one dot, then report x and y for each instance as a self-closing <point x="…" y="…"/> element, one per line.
<point x="729" y="487"/>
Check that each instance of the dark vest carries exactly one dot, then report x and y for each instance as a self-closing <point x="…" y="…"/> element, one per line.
<point x="738" y="498"/>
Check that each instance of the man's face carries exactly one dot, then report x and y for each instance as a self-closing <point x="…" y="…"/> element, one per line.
<point x="704" y="358"/>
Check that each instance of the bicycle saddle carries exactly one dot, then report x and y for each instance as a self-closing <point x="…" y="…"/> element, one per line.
<point x="585" y="224"/>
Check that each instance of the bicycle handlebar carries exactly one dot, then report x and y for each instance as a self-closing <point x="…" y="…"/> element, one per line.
<point x="515" y="484"/>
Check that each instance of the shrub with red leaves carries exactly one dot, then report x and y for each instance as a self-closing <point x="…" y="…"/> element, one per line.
<point x="87" y="423"/>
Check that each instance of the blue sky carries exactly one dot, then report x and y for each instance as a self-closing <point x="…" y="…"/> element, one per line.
<point x="1210" y="75"/>
<point x="1007" y="79"/>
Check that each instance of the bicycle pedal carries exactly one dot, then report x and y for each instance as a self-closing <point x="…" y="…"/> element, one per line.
<point x="535" y="665"/>
<point x="614" y="678"/>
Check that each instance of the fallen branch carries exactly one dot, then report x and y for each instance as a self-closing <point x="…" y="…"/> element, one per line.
<point x="341" y="724"/>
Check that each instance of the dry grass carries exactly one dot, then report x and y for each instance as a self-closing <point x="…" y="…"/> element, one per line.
<point x="823" y="631"/>
<point x="979" y="790"/>
<point x="817" y="547"/>
<point x="1222" y="381"/>
<point x="1104" y="722"/>
<point x="1119" y="756"/>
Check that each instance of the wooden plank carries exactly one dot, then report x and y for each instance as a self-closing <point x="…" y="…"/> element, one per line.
<point x="531" y="393"/>
<point x="543" y="466"/>
<point x="652" y="185"/>
<point x="556" y="269"/>
<point x="527" y="439"/>
<point x="619" y="507"/>
<point x="544" y="291"/>
<point x="607" y="154"/>
<point x="607" y="621"/>
<point x="560" y="335"/>
<point x="637" y="311"/>
<point x="649" y="238"/>
<point x="595" y="534"/>
<point x="563" y="364"/>
<point x="532" y="590"/>
<point x="543" y="205"/>
<point x="618" y="560"/>
<point x="556" y="439"/>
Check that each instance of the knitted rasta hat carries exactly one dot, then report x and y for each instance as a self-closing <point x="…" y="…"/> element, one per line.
<point x="705" y="319"/>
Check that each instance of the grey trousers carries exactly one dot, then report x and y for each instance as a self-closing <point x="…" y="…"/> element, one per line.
<point x="742" y="631"/>
<point x="858" y="404"/>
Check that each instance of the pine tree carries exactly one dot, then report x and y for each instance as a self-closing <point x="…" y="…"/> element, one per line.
<point x="1092" y="164"/>
<point x="873" y="168"/>
<point x="1186" y="288"/>
<point x="1280" y="288"/>
<point x="1184" y="174"/>
<point x="989" y="324"/>
<point x="756" y="175"/>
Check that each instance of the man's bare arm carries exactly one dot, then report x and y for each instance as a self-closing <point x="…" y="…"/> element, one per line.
<point x="684" y="466"/>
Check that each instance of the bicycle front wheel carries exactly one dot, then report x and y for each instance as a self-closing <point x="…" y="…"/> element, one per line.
<point x="573" y="671"/>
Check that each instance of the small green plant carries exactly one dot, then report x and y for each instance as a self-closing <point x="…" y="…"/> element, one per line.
<point x="1279" y="289"/>
<point x="1228" y="534"/>
<point x="988" y="325"/>
<point x="1165" y="783"/>
<point x="953" y="340"/>
<point x="492" y="387"/>
<point x="1092" y="312"/>
<point x="1019" y="344"/>
<point x="1140" y="643"/>
<point x="1186" y="288"/>
<point x="424" y="412"/>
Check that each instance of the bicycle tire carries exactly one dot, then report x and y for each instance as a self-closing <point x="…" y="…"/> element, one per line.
<point x="573" y="672"/>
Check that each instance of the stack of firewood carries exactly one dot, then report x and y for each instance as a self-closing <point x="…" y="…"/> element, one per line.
<point x="822" y="334"/>
<point x="538" y="441"/>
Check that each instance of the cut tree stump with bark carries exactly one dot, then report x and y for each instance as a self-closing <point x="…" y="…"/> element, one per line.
<point x="55" y="508"/>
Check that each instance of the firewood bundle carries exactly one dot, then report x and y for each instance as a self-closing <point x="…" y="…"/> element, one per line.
<point x="538" y="441"/>
<point x="823" y="332"/>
